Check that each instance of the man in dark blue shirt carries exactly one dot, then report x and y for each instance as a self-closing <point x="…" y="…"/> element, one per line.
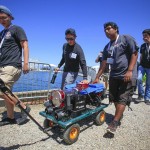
<point x="144" y="68"/>
<point x="72" y="57"/>
<point x="12" y="40"/>
<point x="121" y="53"/>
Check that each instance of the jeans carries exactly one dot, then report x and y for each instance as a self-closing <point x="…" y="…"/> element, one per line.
<point x="141" y="72"/>
<point x="68" y="78"/>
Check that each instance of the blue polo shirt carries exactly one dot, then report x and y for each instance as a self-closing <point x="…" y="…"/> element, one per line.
<point x="11" y="50"/>
<point x="123" y="49"/>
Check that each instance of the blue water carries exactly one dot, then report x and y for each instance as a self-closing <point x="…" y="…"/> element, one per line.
<point x="38" y="80"/>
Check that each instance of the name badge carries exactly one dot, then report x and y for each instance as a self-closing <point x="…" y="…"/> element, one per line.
<point x="73" y="55"/>
<point x="110" y="60"/>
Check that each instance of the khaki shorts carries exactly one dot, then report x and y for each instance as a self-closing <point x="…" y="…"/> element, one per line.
<point x="9" y="75"/>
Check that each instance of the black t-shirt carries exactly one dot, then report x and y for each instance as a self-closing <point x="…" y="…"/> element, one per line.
<point x="145" y="51"/>
<point x="11" y="50"/>
<point x="123" y="49"/>
<point x="73" y="56"/>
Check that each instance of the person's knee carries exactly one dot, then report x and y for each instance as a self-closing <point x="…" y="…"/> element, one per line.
<point x="123" y="103"/>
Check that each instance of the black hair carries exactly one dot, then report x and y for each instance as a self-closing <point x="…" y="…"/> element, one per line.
<point x="112" y="24"/>
<point x="70" y="31"/>
<point x="146" y="31"/>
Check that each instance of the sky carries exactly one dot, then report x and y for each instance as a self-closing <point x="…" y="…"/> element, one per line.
<point x="45" y="22"/>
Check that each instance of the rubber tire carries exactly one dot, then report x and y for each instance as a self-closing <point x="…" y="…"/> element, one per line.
<point x="46" y="124"/>
<point x="98" y="100"/>
<point x="66" y="136"/>
<point x="97" y="120"/>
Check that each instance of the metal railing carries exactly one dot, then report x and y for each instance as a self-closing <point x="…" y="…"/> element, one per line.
<point x="36" y="84"/>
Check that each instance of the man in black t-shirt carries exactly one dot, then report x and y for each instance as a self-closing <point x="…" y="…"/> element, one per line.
<point x="12" y="40"/>
<point x="72" y="57"/>
<point x="121" y="53"/>
<point x="144" y="68"/>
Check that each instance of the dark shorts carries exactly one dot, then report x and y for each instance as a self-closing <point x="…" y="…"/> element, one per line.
<point x="120" y="91"/>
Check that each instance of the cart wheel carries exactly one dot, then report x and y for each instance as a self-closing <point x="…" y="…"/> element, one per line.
<point x="100" y="118"/>
<point x="48" y="123"/>
<point x="71" y="134"/>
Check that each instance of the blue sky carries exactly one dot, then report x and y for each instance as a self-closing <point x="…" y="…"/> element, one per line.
<point x="45" y="22"/>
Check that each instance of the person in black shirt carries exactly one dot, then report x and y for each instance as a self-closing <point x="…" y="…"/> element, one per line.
<point x="121" y="53"/>
<point x="12" y="40"/>
<point x="72" y="57"/>
<point x="144" y="68"/>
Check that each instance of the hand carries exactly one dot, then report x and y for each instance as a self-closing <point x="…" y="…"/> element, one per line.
<point x="25" y="68"/>
<point x="56" y="69"/>
<point x="96" y="80"/>
<point x="85" y="82"/>
<point x="128" y="76"/>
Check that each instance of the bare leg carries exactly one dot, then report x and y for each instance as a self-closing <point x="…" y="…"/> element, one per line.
<point x="106" y="85"/>
<point x="119" y="111"/>
<point x="10" y="102"/>
<point x="10" y="109"/>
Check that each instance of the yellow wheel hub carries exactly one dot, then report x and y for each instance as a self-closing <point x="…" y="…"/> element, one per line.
<point x="102" y="117"/>
<point x="73" y="133"/>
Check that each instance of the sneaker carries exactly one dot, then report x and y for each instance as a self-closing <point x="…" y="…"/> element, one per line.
<point x="140" y="98"/>
<point x="147" y="102"/>
<point x="23" y="114"/>
<point x="7" y="121"/>
<point x="112" y="126"/>
<point x="21" y="121"/>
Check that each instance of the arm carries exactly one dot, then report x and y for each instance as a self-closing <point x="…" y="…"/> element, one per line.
<point x="20" y="35"/>
<point x="133" y="50"/>
<point x="132" y="63"/>
<point x="83" y="64"/>
<point x="100" y="71"/>
<point x="24" y="45"/>
<point x="97" y="59"/>
<point x="61" y="62"/>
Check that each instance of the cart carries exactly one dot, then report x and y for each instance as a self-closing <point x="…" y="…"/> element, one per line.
<point x="71" y="126"/>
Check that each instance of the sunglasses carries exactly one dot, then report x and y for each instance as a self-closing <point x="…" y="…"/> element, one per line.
<point x="69" y="39"/>
<point x="107" y="28"/>
<point x="3" y="18"/>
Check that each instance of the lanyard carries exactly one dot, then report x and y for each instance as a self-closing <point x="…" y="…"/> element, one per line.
<point x="148" y="51"/>
<point x="3" y="35"/>
<point x="113" y="45"/>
